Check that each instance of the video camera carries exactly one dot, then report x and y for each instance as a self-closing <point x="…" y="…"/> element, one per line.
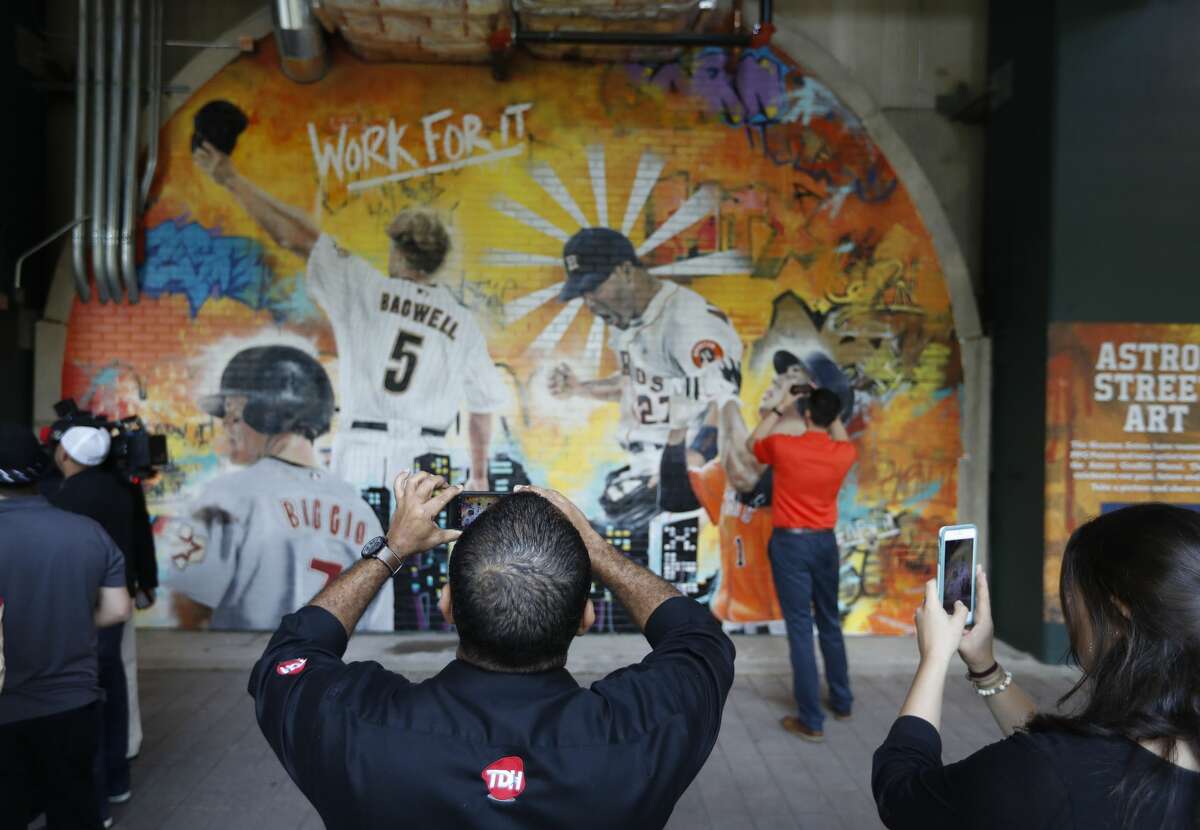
<point x="135" y="455"/>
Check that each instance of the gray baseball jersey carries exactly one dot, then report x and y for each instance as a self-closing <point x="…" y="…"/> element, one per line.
<point x="679" y="333"/>
<point x="259" y="543"/>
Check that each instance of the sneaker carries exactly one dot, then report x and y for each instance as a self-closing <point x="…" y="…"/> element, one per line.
<point x="120" y="798"/>
<point x="843" y="716"/>
<point x="108" y="822"/>
<point x="792" y="724"/>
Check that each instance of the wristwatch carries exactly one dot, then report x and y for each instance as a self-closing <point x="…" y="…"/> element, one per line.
<point x="778" y="414"/>
<point x="377" y="548"/>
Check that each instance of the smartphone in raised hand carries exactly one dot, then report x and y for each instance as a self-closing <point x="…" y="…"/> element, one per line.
<point x="468" y="505"/>
<point x="956" y="567"/>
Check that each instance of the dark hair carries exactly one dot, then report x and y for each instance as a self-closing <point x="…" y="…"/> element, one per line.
<point x="1135" y="574"/>
<point x="519" y="579"/>
<point x="421" y="237"/>
<point x="823" y="407"/>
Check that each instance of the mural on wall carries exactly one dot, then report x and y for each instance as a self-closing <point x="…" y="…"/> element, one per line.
<point x="585" y="276"/>
<point x="1122" y="427"/>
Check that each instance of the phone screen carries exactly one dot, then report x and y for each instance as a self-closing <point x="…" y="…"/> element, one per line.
<point x="471" y="505"/>
<point x="957" y="576"/>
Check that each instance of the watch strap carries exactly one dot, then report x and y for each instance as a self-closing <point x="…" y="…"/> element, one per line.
<point x="391" y="560"/>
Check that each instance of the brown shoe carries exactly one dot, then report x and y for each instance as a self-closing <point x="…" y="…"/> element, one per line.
<point x="792" y="724"/>
<point x="843" y="716"/>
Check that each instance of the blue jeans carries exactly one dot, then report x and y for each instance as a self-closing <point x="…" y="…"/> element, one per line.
<point x="805" y="567"/>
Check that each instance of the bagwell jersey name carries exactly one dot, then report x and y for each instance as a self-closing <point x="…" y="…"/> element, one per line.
<point x="431" y="316"/>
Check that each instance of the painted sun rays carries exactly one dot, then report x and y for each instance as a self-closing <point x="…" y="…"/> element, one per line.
<point x="701" y="203"/>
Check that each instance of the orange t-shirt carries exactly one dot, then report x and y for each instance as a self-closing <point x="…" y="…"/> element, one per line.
<point x="809" y="470"/>
<point x="746" y="590"/>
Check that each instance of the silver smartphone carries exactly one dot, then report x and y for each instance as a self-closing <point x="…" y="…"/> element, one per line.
<point x="956" y="567"/>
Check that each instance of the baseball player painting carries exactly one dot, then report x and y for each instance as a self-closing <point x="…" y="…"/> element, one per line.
<point x="734" y="488"/>
<point x="677" y="352"/>
<point x="259" y="542"/>
<point x="410" y="354"/>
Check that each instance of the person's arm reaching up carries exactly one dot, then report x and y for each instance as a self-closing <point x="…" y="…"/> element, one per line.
<point x="773" y="416"/>
<point x="290" y="227"/>
<point x="640" y="591"/>
<point x="413" y="529"/>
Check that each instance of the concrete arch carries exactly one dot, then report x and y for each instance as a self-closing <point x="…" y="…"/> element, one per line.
<point x="975" y="347"/>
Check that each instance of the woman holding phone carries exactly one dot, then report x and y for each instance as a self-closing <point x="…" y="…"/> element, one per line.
<point x="1129" y="757"/>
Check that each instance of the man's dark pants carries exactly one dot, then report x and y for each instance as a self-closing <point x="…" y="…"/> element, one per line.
<point x="114" y="733"/>
<point x="50" y="762"/>
<point x="805" y="567"/>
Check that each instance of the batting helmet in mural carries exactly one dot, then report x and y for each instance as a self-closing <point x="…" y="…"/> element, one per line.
<point x="285" y="389"/>
<point x="823" y="372"/>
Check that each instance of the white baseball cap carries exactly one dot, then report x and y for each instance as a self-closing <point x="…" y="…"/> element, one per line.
<point x="87" y="445"/>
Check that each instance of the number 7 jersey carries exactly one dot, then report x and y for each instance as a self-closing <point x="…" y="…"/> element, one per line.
<point x="406" y="351"/>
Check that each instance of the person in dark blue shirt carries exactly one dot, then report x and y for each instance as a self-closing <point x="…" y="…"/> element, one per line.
<point x="503" y="736"/>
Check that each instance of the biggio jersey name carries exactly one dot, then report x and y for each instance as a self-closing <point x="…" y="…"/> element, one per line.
<point x="259" y="543"/>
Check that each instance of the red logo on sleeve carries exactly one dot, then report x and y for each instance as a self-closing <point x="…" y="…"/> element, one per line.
<point x="706" y="351"/>
<point x="505" y="778"/>
<point x="290" y="668"/>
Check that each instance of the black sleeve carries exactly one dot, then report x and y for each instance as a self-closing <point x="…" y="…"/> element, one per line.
<point x="288" y="684"/>
<point x="145" y="564"/>
<point x="675" y="493"/>
<point x="689" y="670"/>
<point x="1011" y="783"/>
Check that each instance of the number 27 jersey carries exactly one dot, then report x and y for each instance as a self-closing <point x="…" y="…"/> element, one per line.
<point x="406" y="351"/>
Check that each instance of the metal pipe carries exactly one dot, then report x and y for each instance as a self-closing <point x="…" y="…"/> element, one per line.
<point x="632" y="38"/>
<point x="130" y="207"/>
<point x="74" y="223"/>
<point x="302" y="53"/>
<point x="112" y="210"/>
<point x="764" y="12"/>
<point x="78" y="238"/>
<point x="99" y="82"/>
<point x="154" y="113"/>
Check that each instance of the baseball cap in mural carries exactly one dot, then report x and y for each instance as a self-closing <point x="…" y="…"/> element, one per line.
<point x="87" y="445"/>
<point x="21" y="458"/>
<point x="590" y="256"/>
<point x="822" y="371"/>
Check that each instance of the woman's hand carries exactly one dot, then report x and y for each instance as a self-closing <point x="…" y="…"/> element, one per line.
<point x="976" y="646"/>
<point x="939" y="633"/>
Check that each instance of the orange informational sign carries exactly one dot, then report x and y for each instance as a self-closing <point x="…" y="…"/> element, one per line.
<point x="1122" y="426"/>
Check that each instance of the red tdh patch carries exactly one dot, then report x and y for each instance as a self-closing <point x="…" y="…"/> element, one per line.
<point x="706" y="351"/>
<point x="505" y="778"/>
<point x="291" y="668"/>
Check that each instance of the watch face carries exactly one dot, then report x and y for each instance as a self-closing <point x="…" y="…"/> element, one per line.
<point x="373" y="546"/>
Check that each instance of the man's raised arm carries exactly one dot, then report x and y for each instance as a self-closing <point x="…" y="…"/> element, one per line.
<point x="290" y="227"/>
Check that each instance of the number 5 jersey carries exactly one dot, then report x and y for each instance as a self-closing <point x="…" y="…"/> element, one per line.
<point x="409" y="355"/>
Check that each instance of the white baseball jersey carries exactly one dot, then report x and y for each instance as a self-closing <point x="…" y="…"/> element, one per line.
<point x="407" y="352"/>
<point x="259" y="543"/>
<point x="677" y="336"/>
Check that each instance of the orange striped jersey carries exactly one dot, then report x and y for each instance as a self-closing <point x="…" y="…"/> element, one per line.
<point x="746" y="591"/>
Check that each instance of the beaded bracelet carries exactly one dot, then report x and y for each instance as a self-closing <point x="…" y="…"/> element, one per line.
<point x="999" y="687"/>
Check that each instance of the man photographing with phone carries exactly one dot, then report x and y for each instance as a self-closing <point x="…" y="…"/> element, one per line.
<point x="503" y="736"/>
<point x="809" y="467"/>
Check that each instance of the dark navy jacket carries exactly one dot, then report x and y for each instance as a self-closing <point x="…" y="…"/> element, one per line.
<point x="474" y="748"/>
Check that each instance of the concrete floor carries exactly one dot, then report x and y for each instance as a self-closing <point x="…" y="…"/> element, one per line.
<point x="204" y="763"/>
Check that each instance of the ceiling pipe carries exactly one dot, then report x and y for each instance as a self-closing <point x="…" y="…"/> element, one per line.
<point x="154" y="109"/>
<point x="761" y="36"/>
<point x="112" y="209"/>
<point x="302" y="52"/>
<point x="99" y="88"/>
<point x="78" y="234"/>
<point x="133" y="117"/>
